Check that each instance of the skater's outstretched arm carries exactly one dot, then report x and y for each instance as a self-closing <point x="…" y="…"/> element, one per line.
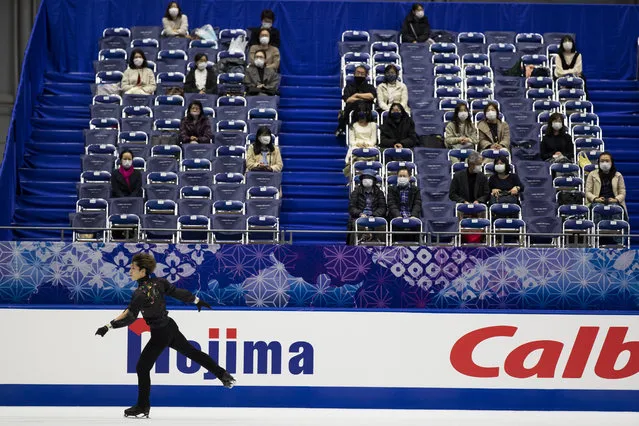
<point x="183" y="295"/>
<point x="125" y="319"/>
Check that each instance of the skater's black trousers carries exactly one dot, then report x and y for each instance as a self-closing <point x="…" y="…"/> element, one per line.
<point x="169" y="336"/>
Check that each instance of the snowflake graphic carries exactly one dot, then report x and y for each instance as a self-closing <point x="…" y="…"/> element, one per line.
<point x="266" y="289"/>
<point x="345" y="263"/>
<point x="300" y="293"/>
<point x="242" y="261"/>
<point x="197" y="252"/>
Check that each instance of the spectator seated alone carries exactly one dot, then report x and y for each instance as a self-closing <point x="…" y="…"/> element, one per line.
<point x="366" y="200"/>
<point x="138" y="78"/>
<point x="568" y="62"/>
<point x="556" y="145"/>
<point x="195" y="127"/>
<point x="263" y="155"/>
<point x="360" y="92"/>
<point x="260" y="80"/>
<point x="404" y="201"/>
<point x="606" y="185"/>
<point x="200" y="79"/>
<point x="268" y="19"/>
<point x="398" y="130"/>
<point x="361" y="134"/>
<point x="505" y="187"/>
<point x="126" y="181"/>
<point x="415" y="28"/>
<point x="460" y="133"/>
<point x="392" y="90"/>
<point x="470" y="186"/>
<point x="175" y="23"/>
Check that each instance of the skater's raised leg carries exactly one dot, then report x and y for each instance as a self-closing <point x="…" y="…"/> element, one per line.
<point x="183" y="346"/>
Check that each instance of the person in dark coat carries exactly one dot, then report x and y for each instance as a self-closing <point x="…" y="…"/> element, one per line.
<point x="200" y="79"/>
<point x="366" y="200"/>
<point x="556" y="145"/>
<point x="126" y="181"/>
<point x="268" y="18"/>
<point x="356" y="95"/>
<point x="195" y="127"/>
<point x="405" y="201"/>
<point x="416" y="28"/>
<point x="470" y="185"/>
<point x="398" y="130"/>
<point x="505" y="187"/>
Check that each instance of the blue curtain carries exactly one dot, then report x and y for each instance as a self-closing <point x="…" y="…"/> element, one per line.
<point x="606" y="34"/>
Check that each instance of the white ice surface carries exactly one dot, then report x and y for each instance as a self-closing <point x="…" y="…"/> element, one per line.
<point x="71" y="416"/>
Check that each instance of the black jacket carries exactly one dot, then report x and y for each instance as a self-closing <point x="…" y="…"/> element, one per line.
<point x="414" y="202"/>
<point x="211" y="83"/>
<point x="413" y="26"/>
<point x="553" y="143"/>
<point x="358" y="202"/>
<point x="120" y="189"/>
<point x="401" y="132"/>
<point x="255" y="36"/>
<point x="149" y="299"/>
<point x="459" y="188"/>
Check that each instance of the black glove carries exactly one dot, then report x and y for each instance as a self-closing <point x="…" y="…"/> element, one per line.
<point x="202" y="304"/>
<point x="102" y="331"/>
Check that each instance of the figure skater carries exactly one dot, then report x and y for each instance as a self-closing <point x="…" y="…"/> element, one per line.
<point x="149" y="299"/>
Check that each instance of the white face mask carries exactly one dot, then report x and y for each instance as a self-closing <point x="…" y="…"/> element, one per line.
<point x="605" y="166"/>
<point x="264" y="40"/>
<point x="402" y="181"/>
<point x="367" y="183"/>
<point x="259" y="62"/>
<point x="491" y="115"/>
<point x="557" y="125"/>
<point x="174" y="11"/>
<point x="463" y="115"/>
<point x="201" y="66"/>
<point x="265" y="140"/>
<point x="567" y="45"/>
<point x="500" y="168"/>
<point x="138" y="62"/>
<point x="419" y="14"/>
<point x="127" y="164"/>
<point x="267" y="25"/>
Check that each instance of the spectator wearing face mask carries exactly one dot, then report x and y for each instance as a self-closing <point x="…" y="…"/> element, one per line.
<point x="404" y="199"/>
<point x="126" y="181"/>
<point x="470" y="186"/>
<point x="200" y="79"/>
<point x="392" y="90"/>
<point x="493" y="132"/>
<point x="195" y="127"/>
<point x="356" y="95"/>
<point x="361" y="134"/>
<point x="175" y="23"/>
<point x="268" y="19"/>
<point x="556" y="145"/>
<point x="263" y="155"/>
<point x="416" y="28"/>
<point x="260" y="80"/>
<point x="505" y="187"/>
<point x="138" y="78"/>
<point x="272" y="52"/>
<point x="568" y="61"/>
<point x="398" y="130"/>
<point x="606" y="185"/>
<point x="366" y="200"/>
<point x="460" y="133"/>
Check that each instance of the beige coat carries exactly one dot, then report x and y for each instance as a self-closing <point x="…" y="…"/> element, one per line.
<point x="274" y="159"/>
<point x="177" y="27"/>
<point x="593" y="187"/>
<point x="272" y="56"/>
<point x="576" y="70"/>
<point x="486" y="137"/>
<point x="387" y="94"/>
<point x="361" y="137"/>
<point x="129" y="82"/>
<point x="452" y="136"/>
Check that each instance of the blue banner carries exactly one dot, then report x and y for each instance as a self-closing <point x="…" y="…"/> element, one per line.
<point x="264" y="276"/>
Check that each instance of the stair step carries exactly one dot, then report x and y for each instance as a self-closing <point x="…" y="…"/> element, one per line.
<point x="611" y="95"/>
<point x="63" y="112"/>
<point x="31" y="187"/>
<point x="619" y="120"/>
<point x="315" y="115"/>
<point x="65" y="100"/>
<point x="315" y="220"/>
<point x="43" y="234"/>
<point x="70" y="148"/>
<point x="306" y="152"/>
<point x="316" y="191"/>
<point x="44" y="216"/>
<point x="53" y="161"/>
<point x="57" y="135"/>
<point x="319" y="92"/>
<point x="296" y="178"/>
<point x="311" y="80"/>
<point x="69" y="77"/>
<point x="612" y="84"/>
<point x="316" y="102"/>
<point x="66" y="123"/>
<point x="301" y="138"/>
<point x="59" y="175"/>
<point x="37" y="201"/>
<point x="310" y="127"/>
<point x="295" y="204"/>
<point x="314" y="165"/>
<point x="66" y="89"/>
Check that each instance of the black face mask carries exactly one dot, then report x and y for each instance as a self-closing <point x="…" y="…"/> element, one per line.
<point x="396" y="115"/>
<point x="391" y="78"/>
<point x="359" y="80"/>
<point x="361" y="115"/>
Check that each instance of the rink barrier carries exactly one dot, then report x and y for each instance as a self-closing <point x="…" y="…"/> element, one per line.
<point x="332" y="359"/>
